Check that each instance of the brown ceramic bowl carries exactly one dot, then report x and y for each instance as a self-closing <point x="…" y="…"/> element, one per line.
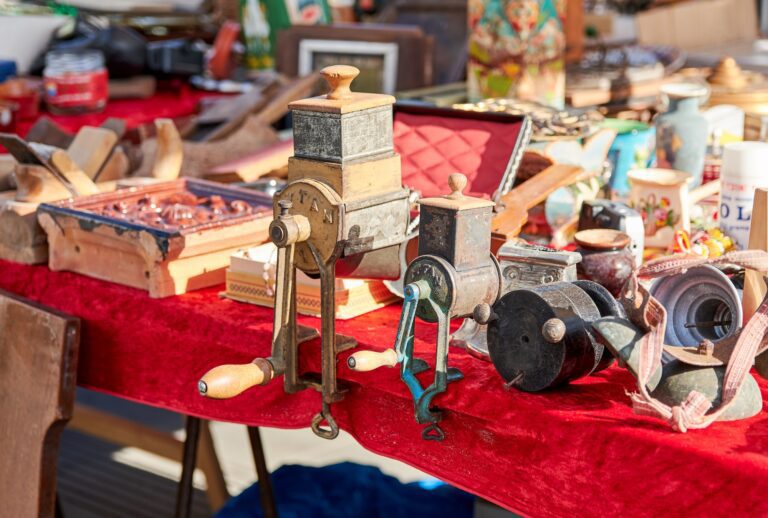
<point x="602" y="239"/>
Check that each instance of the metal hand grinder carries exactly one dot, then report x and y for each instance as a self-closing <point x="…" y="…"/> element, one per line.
<point x="454" y="272"/>
<point x="344" y="212"/>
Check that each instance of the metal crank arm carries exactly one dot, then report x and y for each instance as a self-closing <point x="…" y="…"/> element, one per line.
<point x="364" y="361"/>
<point x="228" y="381"/>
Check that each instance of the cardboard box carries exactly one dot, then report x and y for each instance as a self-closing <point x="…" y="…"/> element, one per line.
<point x="251" y="278"/>
<point x="699" y="23"/>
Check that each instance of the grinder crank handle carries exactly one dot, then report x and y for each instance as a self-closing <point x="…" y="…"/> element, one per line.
<point x="285" y="231"/>
<point x="228" y="381"/>
<point x="365" y="361"/>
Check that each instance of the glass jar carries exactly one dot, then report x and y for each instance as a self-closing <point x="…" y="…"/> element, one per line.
<point x="75" y="81"/>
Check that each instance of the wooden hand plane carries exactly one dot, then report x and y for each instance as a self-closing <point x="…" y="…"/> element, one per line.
<point x="516" y="203"/>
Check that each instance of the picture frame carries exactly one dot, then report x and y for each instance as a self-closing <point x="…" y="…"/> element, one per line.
<point x="377" y="61"/>
<point x="366" y="46"/>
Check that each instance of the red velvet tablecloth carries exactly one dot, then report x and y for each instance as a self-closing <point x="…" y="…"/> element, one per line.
<point x="576" y="451"/>
<point x="179" y="101"/>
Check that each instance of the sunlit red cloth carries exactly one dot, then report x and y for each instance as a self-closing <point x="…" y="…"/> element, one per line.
<point x="575" y="451"/>
<point x="167" y="102"/>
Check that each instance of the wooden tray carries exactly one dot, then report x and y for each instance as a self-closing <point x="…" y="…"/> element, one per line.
<point x="163" y="262"/>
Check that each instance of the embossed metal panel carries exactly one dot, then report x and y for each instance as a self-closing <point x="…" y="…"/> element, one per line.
<point x="462" y="238"/>
<point x="338" y="138"/>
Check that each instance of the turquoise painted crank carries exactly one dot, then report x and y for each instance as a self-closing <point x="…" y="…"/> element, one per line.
<point x="454" y="272"/>
<point x="402" y="353"/>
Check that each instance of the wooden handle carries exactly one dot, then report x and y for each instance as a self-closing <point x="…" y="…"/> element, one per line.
<point x="339" y="77"/>
<point x="80" y="181"/>
<point x="228" y="381"/>
<point x="170" y="151"/>
<point x="508" y="223"/>
<point x="364" y="361"/>
<point x="36" y="184"/>
<point x="535" y="190"/>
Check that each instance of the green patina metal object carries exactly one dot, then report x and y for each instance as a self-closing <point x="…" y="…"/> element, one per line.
<point x="672" y="383"/>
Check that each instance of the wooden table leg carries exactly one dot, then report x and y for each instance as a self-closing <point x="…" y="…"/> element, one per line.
<point x="268" y="503"/>
<point x="184" y="495"/>
<point x="208" y="462"/>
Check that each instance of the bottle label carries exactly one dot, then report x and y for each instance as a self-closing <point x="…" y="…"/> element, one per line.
<point x="736" y="201"/>
<point x="87" y="90"/>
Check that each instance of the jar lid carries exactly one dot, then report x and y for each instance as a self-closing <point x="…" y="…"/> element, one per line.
<point x="75" y="60"/>
<point x="602" y="239"/>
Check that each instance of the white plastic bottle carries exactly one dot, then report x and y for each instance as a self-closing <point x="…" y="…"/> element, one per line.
<point x="744" y="169"/>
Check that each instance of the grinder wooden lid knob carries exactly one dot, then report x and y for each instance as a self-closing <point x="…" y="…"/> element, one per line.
<point x="457" y="182"/>
<point x="339" y="77"/>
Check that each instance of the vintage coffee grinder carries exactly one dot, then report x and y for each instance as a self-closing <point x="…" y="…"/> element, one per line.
<point x="522" y="266"/>
<point x="344" y="212"/>
<point x="454" y="272"/>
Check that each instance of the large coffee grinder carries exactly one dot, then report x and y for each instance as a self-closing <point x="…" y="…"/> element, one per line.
<point x="343" y="213"/>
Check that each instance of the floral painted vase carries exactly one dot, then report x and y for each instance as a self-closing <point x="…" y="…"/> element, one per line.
<point x="661" y="198"/>
<point x="681" y="131"/>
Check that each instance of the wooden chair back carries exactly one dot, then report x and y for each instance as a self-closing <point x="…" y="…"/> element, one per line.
<point x="38" y="365"/>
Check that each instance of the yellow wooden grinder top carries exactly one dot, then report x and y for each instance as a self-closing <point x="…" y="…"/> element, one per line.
<point x="340" y="99"/>
<point x="456" y="200"/>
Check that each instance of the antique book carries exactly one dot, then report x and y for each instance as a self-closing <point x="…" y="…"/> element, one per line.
<point x="251" y="278"/>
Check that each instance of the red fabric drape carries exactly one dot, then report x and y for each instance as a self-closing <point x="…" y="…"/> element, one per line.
<point x="167" y="102"/>
<point x="577" y="450"/>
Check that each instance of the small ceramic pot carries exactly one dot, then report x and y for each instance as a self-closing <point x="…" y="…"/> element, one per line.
<point x="661" y="198"/>
<point x="681" y="131"/>
<point x="605" y="258"/>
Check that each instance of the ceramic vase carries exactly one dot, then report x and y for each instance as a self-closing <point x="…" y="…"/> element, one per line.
<point x="681" y="131"/>
<point x="661" y="198"/>
<point x="605" y="258"/>
<point x="631" y="149"/>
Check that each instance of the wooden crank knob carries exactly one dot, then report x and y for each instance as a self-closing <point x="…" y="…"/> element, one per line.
<point x="339" y="77"/>
<point x="364" y="361"/>
<point x="228" y="381"/>
<point x="457" y="182"/>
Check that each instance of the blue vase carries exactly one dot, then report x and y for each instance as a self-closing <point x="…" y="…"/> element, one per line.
<point x="681" y="132"/>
